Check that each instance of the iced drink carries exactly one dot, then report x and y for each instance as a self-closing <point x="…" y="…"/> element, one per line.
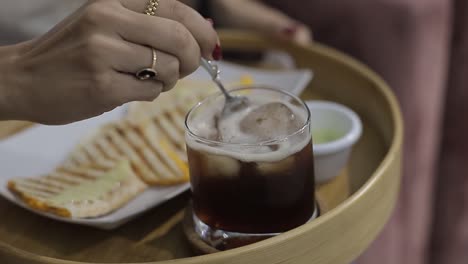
<point x="252" y="171"/>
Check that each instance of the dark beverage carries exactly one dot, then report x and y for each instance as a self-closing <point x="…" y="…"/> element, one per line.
<point x="251" y="172"/>
<point x="262" y="197"/>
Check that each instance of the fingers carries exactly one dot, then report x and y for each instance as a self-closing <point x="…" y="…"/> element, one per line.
<point x="165" y="35"/>
<point x="127" y="57"/>
<point x="127" y="88"/>
<point x="199" y="27"/>
<point x="178" y="33"/>
<point x="249" y="14"/>
<point x="298" y="33"/>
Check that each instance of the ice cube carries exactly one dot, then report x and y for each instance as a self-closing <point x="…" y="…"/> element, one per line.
<point x="207" y="129"/>
<point x="220" y="166"/>
<point x="270" y="121"/>
<point x="267" y="168"/>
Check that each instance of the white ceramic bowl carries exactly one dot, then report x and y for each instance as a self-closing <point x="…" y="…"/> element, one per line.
<point x="335" y="129"/>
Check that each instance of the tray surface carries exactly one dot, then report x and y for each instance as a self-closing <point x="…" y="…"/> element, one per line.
<point x="372" y="178"/>
<point x="28" y="147"/>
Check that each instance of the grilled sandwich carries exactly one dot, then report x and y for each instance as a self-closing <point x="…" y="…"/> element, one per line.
<point x="82" y="191"/>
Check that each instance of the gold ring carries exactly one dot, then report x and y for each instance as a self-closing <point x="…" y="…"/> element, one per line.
<point x="149" y="73"/>
<point x="151" y="7"/>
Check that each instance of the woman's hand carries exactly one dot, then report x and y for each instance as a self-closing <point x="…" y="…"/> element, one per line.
<point x="86" y="64"/>
<point x="257" y="16"/>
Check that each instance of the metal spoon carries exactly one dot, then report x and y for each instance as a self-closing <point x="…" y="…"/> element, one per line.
<point x="232" y="103"/>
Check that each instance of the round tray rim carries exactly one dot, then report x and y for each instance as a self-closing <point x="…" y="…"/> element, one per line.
<point x="392" y="155"/>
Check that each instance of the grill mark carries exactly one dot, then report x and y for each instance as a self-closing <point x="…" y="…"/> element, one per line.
<point x="64" y="176"/>
<point x="79" y="157"/>
<point x="105" y="164"/>
<point x="133" y="156"/>
<point x="161" y="124"/>
<point x="28" y="183"/>
<point x="178" y="123"/>
<point x="136" y="142"/>
<point x="33" y="194"/>
<point x="92" y="152"/>
<point x="89" y="157"/>
<point x="170" y="165"/>
<point x="28" y="187"/>
<point x="75" y="173"/>
<point x="118" y="152"/>
<point x="47" y="182"/>
<point x="106" y="147"/>
<point x="59" y="180"/>
<point x="180" y="147"/>
<point x="180" y="112"/>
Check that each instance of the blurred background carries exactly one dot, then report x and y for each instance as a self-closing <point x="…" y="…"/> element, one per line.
<point x="420" y="47"/>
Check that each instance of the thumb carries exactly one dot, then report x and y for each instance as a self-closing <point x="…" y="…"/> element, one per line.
<point x="257" y="16"/>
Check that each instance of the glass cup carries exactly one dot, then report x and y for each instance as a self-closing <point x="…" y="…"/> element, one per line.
<point x="246" y="192"/>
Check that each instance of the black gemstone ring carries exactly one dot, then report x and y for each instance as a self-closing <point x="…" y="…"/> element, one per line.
<point x="148" y="73"/>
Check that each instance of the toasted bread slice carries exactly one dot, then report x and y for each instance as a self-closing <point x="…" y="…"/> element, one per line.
<point x="151" y="136"/>
<point x="85" y="191"/>
<point x="156" y="158"/>
<point x="147" y="147"/>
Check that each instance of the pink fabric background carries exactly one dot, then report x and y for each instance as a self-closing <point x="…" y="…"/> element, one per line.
<point x="421" y="48"/>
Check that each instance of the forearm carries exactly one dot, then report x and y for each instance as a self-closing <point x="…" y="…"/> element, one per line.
<point x="8" y="89"/>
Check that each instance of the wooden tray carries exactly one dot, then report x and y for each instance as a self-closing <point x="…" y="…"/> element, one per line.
<point x="336" y="237"/>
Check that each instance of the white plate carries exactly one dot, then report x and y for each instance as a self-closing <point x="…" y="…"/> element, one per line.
<point x="37" y="151"/>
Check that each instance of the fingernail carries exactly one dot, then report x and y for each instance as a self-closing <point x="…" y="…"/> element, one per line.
<point x="217" y="52"/>
<point x="211" y="21"/>
<point x="290" y="30"/>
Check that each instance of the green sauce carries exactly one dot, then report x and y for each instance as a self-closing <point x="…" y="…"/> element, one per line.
<point x="324" y="135"/>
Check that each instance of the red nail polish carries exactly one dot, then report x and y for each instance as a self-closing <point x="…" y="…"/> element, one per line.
<point x="290" y="30"/>
<point x="217" y="53"/>
<point x="211" y="21"/>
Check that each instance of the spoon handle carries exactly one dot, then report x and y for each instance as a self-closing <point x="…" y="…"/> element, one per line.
<point x="210" y="67"/>
<point x="214" y="72"/>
